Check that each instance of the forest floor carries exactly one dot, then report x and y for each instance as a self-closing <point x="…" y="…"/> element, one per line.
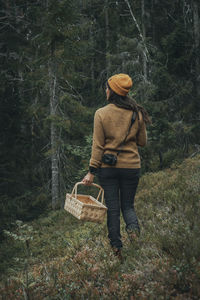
<point x="59" y="257"/>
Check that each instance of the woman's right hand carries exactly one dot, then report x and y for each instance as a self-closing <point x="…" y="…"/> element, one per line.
<point x="88" y="179"/>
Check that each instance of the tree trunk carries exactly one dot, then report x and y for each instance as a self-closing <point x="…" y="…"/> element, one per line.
<point x="146" y="52"/>
<point x="54" y="149"/>
<point x="161" y="159"/>
<point x="144" y="36"/>
<point x="196" y="23"/>
<point x="92" y="61"/>
<point x="108" y="65"/>
<point x="153" y="22"/>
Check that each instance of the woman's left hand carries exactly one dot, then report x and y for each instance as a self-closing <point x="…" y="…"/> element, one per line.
<point x="88" y="179"/>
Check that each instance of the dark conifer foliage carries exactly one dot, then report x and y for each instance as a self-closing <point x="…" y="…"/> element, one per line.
<point x="55" y="58"/>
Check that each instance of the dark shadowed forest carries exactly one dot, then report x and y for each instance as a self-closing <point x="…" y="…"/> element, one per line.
<point x="55" y="59"/>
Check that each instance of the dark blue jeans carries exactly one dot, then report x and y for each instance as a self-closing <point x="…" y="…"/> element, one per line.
<point x="119" y="187"/>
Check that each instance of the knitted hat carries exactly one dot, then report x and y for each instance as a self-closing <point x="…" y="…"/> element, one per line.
<point x="120" y="84"/>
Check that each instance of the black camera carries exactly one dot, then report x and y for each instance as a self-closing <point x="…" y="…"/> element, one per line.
<point x="109" y="159"/>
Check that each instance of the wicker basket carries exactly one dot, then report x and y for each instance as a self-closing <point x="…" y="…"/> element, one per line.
<point x="85" y="207"/>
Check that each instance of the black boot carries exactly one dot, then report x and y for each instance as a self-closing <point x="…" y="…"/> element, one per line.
<point x="117" y="253"/>
<point x="133" y="234"/>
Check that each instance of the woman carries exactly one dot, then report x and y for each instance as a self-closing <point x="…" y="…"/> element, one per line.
<point x="113" y="134"/>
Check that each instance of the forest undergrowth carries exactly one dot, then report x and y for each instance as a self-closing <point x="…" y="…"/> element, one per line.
<point x="59" y="257"/>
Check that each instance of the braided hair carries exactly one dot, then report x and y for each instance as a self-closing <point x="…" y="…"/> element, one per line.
<point x="128" y="103"/>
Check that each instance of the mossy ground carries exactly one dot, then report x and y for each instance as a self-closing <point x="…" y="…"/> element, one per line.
<point x="59" y="257"/>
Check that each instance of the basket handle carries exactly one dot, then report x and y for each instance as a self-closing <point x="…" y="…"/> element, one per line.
<point x="101" y="191"/>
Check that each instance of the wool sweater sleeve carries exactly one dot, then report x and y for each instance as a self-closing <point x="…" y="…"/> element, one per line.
<point x="142" y="133"/>
<point x="98" y="142"/>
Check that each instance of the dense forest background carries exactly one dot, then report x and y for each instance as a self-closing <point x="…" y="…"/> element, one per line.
<point x="55" y="59"/>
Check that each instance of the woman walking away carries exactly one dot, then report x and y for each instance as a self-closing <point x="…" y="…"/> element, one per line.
<point x="119" y="128"/>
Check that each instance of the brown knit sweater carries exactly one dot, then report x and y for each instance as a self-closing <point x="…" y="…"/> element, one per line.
<point x="111" y="124"/>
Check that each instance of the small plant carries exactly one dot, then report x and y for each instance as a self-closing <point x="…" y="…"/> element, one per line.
<point x="23" y="234"/>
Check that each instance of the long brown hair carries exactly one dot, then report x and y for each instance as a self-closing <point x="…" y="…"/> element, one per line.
<point x="128" y="103"/>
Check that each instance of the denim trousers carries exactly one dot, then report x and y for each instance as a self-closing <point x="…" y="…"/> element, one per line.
<point x="119" y="186"/>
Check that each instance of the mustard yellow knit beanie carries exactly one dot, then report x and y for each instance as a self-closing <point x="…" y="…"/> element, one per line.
<point x="120" y="84"/>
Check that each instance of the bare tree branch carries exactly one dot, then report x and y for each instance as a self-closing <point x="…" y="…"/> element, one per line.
<point x="138" y="28"/>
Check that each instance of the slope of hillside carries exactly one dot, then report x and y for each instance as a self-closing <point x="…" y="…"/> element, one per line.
<point x="59" y="257"/>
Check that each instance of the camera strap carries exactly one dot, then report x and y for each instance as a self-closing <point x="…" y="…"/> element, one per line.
<point x="131" y="124"/>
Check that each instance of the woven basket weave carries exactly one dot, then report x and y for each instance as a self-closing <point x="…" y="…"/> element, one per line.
<point x="86" y="207"/>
